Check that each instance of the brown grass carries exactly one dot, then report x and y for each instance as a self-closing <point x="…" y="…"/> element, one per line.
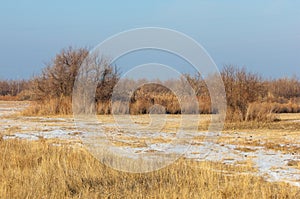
<point x="55" y="106"/>
<point x="245" y="149"/>
<point x="294" y="163"/>
<point x="9" y="98"/>
<point x="39" y="170"/>
<point x="260" y="112"/>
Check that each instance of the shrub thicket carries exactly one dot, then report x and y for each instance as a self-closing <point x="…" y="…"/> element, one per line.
<point x="249" y="96"/>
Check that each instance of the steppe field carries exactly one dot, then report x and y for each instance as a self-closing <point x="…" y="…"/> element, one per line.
<point x="45" y="157"/>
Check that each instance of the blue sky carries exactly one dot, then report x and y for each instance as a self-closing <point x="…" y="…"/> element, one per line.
<point x="263" y="36"/>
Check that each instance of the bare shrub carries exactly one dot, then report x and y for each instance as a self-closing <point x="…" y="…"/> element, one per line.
<point x="242" y="88"/>
<point x="11" y="89"/>
<point x="58" y="78"/>
<point x="54" y="88"/>
<point x="287" y="88"/>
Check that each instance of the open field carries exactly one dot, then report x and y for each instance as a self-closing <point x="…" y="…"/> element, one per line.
<point x="37" y="169"/>
<point x="46" y="157"/>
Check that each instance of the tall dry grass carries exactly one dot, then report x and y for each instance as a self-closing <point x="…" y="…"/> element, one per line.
<point x="36" y="169"/>
<point x="260" y="112"/>
<point x="51" y="106"/>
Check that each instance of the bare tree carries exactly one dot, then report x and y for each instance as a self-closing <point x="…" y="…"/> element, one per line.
<point x="58" y="78"/>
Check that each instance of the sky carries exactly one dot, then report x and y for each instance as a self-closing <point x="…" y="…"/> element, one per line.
<point x="263" y="36"/>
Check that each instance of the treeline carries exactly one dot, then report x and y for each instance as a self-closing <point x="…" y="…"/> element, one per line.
<point x="249" y="96"/>
<point x="14" y="89"/>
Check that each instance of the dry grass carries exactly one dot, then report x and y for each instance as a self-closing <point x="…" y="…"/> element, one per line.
<point x="294" y="163"/>
<point x="52" y="169"/>
<point x="9" y="98"/>
<point x="260" y="112"/>
<point x="60" y="106"/>
<point x="39" y="170"/>
<point x="245" y="149"/>
<point x="284" y="122"/>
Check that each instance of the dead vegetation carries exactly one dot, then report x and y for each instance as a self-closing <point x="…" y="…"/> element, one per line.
<point x="294" y="163"/>
<point x="56" y="168"/>
<point x="40" y="170"/>
<point x="249" y="96"/>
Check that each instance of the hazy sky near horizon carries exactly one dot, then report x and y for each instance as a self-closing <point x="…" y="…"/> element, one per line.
<point x="263" y="36"/>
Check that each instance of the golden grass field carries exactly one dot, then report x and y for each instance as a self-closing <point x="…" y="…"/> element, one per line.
<point x="35" y="169"/>
<point x="54" y="167"/>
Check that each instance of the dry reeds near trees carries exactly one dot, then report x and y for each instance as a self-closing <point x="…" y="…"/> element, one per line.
<point x="52" y="90"/>
<point x="249" y="96"/>
<point x="260" y="112"/>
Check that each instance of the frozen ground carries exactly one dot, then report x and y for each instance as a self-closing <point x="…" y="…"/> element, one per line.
<point x="267" y="162"/>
